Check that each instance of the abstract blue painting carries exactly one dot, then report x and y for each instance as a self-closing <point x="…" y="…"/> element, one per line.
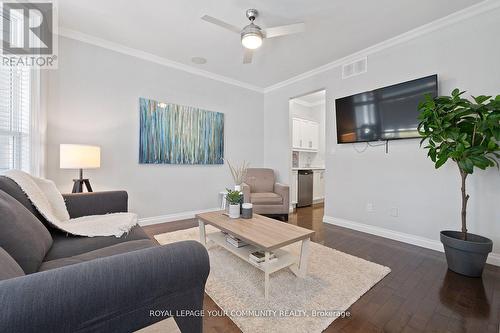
<point x="176" y="134"/>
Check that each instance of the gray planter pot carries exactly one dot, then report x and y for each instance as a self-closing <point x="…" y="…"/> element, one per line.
<point x="466" y="257"/>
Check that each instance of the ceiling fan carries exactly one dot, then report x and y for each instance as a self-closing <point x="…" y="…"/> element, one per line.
<point x="252" y="35"/>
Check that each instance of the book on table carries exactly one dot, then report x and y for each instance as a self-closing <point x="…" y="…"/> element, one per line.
<point x="260" y="256"/>
<point x="234" y="241"/>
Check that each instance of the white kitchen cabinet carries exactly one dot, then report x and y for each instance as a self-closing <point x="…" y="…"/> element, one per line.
<point x="305" y="134"/>
<point x="313" y="135"/>
<point x="318" y="184"/>
<point x="297" y="133"/>
<point x="294" y="187"/>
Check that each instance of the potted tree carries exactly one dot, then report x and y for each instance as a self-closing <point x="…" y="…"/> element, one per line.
<point x="467" y="133"/>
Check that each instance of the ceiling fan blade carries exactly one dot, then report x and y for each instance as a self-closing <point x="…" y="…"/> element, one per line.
<point x="221" y="24"/>
<point x="284" y="30"/>
<point x="247" y="56"/>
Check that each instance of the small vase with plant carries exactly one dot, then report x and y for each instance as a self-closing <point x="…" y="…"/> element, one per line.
<point x="467" y="133"/>
<point x="234" y="200"/>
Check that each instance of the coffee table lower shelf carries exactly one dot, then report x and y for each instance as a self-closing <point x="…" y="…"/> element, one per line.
<point x="284" y="258"/>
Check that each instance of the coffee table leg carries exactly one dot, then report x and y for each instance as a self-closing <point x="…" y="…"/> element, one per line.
<point x="304" y="256"/>
<point x="203" y="239"/>
<point x="266" y="281"/>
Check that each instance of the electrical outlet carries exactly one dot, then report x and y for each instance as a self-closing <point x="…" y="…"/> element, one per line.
<point x="370" y="208"/>
<point x="394" y="212"/>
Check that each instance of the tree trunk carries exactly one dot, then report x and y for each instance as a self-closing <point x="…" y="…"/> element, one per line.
<point x="465" y="198"/>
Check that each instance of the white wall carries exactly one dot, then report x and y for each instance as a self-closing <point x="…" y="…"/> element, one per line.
<point x="464" y="55"/>
<point x="94" y="99"/>
<point x="304" y="112"/>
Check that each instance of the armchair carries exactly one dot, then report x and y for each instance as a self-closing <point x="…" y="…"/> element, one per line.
<point x="268" y="197"/>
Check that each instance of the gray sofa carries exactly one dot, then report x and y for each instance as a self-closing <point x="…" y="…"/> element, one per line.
<point x="52" y="282"/>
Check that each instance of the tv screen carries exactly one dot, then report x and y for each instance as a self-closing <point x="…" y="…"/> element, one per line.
<point x="383" y="114"/>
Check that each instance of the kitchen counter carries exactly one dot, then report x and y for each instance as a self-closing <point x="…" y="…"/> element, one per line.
<point x="308" y="168"/>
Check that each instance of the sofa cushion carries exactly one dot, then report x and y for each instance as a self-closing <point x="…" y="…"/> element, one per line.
<point x="11" y="188"/>
<point x="260" y="179"/>
<point x="22" y="235"/>
<point x="9" y="268"/>
<point x="266" y="199"/>
<point x="100" y="253"/>
<point x="68" y="246"/>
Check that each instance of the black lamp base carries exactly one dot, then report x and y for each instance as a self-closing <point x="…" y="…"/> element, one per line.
<point x="78" y="185"/>
<point x="80" y="182"/>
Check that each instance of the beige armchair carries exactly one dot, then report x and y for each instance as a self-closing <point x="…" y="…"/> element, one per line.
<point x="267" y="196"/>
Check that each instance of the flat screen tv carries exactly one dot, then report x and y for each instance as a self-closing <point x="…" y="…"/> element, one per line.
<point x="383" y="114"/>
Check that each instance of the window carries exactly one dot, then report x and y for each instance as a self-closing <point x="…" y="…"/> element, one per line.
<point x="15" y="118"/>
<point x="22" y="121"/>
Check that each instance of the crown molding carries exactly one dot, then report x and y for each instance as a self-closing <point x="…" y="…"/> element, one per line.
<point x="458" y="16"/>
<point x="79" y="36"/>
<point x="440" y="23"/>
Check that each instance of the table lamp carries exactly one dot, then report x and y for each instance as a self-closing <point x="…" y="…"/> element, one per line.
<point x="80" y="157"/>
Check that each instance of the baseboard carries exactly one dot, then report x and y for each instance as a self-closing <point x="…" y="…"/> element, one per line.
<point x="173" y="217"/>
<point x="318" y="200"/>
<point x="315" y="202"/>
<point x="493" y="258"/>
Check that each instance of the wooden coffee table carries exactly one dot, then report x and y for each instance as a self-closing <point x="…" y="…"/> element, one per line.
<point x="261" y="233"/>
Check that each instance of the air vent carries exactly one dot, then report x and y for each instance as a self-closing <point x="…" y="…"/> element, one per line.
<point x="354" y="68"/>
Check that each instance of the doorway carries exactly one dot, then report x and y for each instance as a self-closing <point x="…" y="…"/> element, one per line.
<point x="307" y="149"/>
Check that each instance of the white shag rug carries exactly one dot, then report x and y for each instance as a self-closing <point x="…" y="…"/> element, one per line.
<point x="334" y="281"/>
<point x="164" y="326"/>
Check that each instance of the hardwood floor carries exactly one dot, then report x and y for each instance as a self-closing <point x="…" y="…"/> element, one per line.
<point x="419" y="295"/>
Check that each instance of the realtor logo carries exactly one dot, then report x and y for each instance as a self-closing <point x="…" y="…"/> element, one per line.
<point x="28" y="34"/>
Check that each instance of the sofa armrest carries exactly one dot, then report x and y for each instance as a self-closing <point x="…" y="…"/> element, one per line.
<point x="245" y="188"/>
<point x="112" y="294"/>
<point x="284" y="191"/>
<point x="96" y="203"/>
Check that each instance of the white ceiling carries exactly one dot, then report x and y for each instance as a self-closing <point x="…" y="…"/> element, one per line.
<point x="173" y="30"/>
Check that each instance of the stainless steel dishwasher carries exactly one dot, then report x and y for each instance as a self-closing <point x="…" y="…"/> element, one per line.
<point x="305" y="188"/>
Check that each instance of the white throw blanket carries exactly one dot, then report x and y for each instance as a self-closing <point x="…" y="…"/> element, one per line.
<point x="47" y="199"/>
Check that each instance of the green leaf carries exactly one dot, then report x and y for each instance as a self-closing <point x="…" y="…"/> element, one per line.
<point x="492" y="145"/>
<point x="465" y="167"/>
<point x="440" y="162"/>
<point x="469" y="165"/>
<point x="480" y="161"/>
<point x="432" y="154"/>
<point x="481" y="99"/>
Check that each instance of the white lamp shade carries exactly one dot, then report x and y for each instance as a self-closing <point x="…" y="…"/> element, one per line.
<point x="79" y="157"/>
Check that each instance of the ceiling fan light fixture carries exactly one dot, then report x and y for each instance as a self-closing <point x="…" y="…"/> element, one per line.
<point x="251" y="41"/>
<point x="251" y="36"/>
